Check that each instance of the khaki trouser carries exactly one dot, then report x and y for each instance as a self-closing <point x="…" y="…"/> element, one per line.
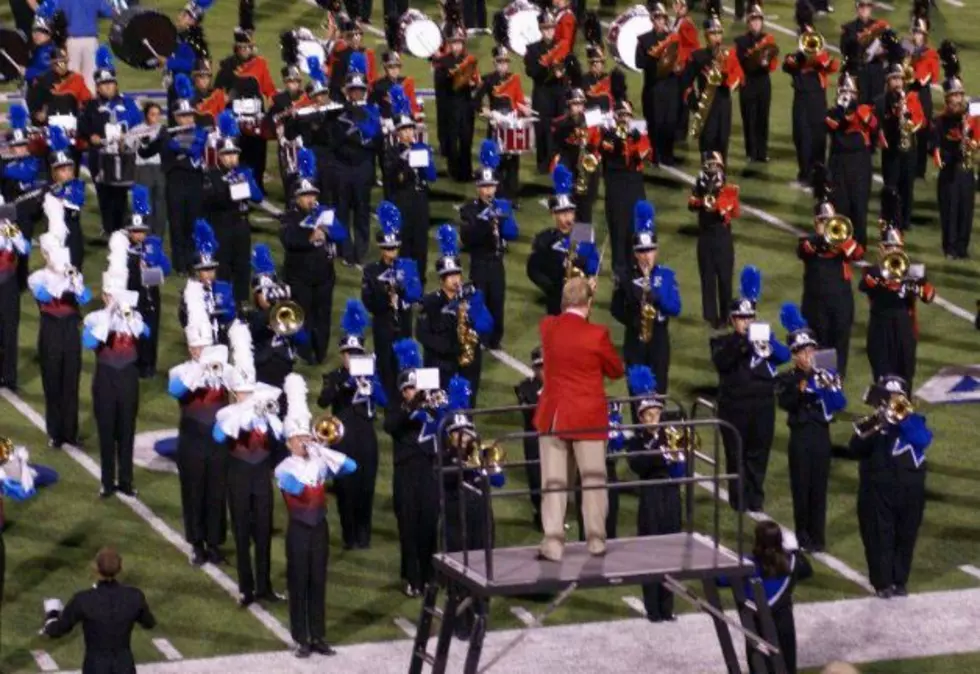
<point x="81" y="58"/>
<point x="556" y="473"/>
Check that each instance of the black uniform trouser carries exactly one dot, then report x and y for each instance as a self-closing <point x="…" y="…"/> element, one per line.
<point x="203" y="467"/>
<point x="898" y="171"/>
<point x="185" y="194"/>
<point x="396" y="7"/>
<point x="785" y="639"/>
<point x="359" y="9"/>
<point x="414" y="207"/>
<point x="509" y="173"/>
<point x="354" y="208"/>
<point x="475" y="13"/>
<point x="755" y="99"/>
<point x="460" y="136"/>
<point x="317" y="303"/>
<point x="113" y="204"/>
<point x="809" y="131"/>
<point x="661" y="113"/>
<point x="809" y="473"/>
<point x="831" y="317"/>
<point x="60" y="348"/>
<point x="890" y="509"/>
<point x="956" y="189"/>
<point x="147" y="347"/>
<point x="547" y="102"/>
<point x="254" y="156"/>
<point x="717" y="129"/>
<point x="328" y="175"/>
<point x="923" y="137"/>
<point x="623" y="190"/>
<point x="355" y="492"/>
<point x="416" y="501"/>
<point x="755" y="420"/>
<point x="307" y="554"/>
<point x="115" y="399"/>
<point x="235" y="258"/>
<point x="871" y="81"/>
<point x="385" y="334"/>
<point x="9" y="324"/>
<point x="659" y="513"/>
<point x="716" y="264"/>
<point x="851" y="173"/>
<point x="250" y="503"/>
<point x="488" y="275"/>
<point x="585" y="200"/>
<point x="891" y="344"/>
<point x="655" y="354"/>
<point x="273" y="370"/>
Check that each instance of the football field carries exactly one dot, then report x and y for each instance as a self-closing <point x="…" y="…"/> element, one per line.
<point x="52" y="539"/>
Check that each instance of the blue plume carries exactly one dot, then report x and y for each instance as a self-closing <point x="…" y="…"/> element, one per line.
<point x="357" y="63"/>
<point x="183" y="86"/>
<point x="562" y="178"/>
<point x="479" y="314"/>
<point x="490" y="153"/>
<point x="355" y="319"/>
<point x="448" y="245"/>
<point x="390" y="217"/>
<point x="400" y="105"/>
<point x="141" y="200"/>
<point x="182" y="60"/>
<point x="301" y="338"/>
<point x="75" y="192"/>
<point x="204" y="5"/>
<point x="103" y="58"/>
<point x="751" y="282"/>
<point x="153" y="254"/>
<point x="589" y="255"/>
<point x="133" y="116"/>
<point x="227" y="124"/>
<point x="407" y="353"/>
<point x="57" y="140"/>
<point x="459" y="393"/>
<point x="407" y="272"/>
<point x="224" y="300"/>
<point x="262" y="262"/>
<point x="791" y="318"/>
<point x="644" y="217"/>
<point x="306" y="161"/>
<point x="18" y="116"/>
<point x="196" y="150"/>
<point x="378" y="394"/>
<point x="370" y="124"/>
<point x="316" y="70"/>
<point x="22" y="170"/>
<point x="47" y="9"/>
<point x="641" y="380"/>
<point x="204" y="241"/>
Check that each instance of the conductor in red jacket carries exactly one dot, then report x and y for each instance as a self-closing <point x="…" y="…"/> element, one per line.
<point x="572" y="410"/>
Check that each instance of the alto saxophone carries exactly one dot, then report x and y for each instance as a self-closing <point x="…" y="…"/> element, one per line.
<point x="465" y="334"/>
<point x="648" y="312"/>
<point x="712" y="80"/>
<point x="906" y="127"/>
<point x="968" y="146"/>
<point x="587" y="163"/>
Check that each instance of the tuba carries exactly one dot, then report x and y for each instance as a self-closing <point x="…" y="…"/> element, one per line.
<point x="286" y="318"/>
<point x="712" y="80"/>
<point x="838" y="230"/>
<point x="895" y="265"/>
<point x="648" y="312"/>
<point x="328" y="430"/>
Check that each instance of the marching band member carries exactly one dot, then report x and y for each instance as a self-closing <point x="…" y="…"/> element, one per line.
<point x="827" y="255"/>
<point x="381" y="88"/>
<point x="487" y="224"/>
<point x="565" y="27"/>
<point x="209" y="100"/>
<point x="58" y="91"/>
<point x="201" y="387"/>
<point x="811" y="397"/>
<point x="956" y="137"/>
<point x="218" y="295"/>
<point x="716" y="203"/>
<point x="282" y="110"/>
<point x="312" y="125"/>
<point x="341" y="59"/>
<point x="854" y="133"/>
<point x="528" y="392"/>
<point x="645" y="299"/>
<point x="708" y="97"/>
<point x="809" y="69"/>
<point x="659" y="509"/>
<point x="412" y="425"/>
<point x="113" y="333"/>
<point x="148" y="266"/>
<point x="245" y="76"/>
<point x="893" y="293"/>
<point x="275" y="344"/>
<point x="504" y="97"/>
<point x="249" y="429"/>
<point x="924" y="61"/>
<point x="310" y="234"/>
<point x="20" y="172"/>
<point x="688" y="41"/>
<point x="389" y="288"/>
<point x="59" y="290"/>
<point x="552" y="260"/>
<point x="301" y="479"/>
<point x="67" y="196"/>
<point x="596" y="82"/>
<point x="456" y="77"/>
<point x="576" y="146"/>
<point x="453" y="321"/>
<point x="190" y="30"/>
<point x="15" y="249"/>
<point x="354" y="401"/>
<point x="624" y="151"/>
<point x="901" y="116"/>
<point x="228" y="189"/>
<point x="658" y="56"/>
<point x="863" y="36"/>
<point x="360" y="142"/>
<point x="891" y="443"/>
<point x="16" y="483"/>
<point x="746" y="396"/>
<point x="48" y="32"/>
<point x="756" y="51"/>
<point x="548" y="90"/>
<point x="109" y="112"/>
<point x="409" y="170"/>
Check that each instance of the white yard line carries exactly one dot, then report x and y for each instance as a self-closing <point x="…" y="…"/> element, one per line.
<point x="44" y="661"/>
<point x="406" y="626"/>
<point x="955" y="3"/>
<point x="157" y="524"/>
<point x="522" y="614"/>
<point x="167" y="649"/>
<point x="636" y="604"/>
<point x="971" y="570"/>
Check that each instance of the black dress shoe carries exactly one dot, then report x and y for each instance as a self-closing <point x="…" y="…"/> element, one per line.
<point x="246" y="599"/>
<point x="270" y="597"/>
<point x="900" y="591"/>
<point x="105" y="492"/>
<point x="127" y="490"/>
<point x="54" y="444"/>
<point x="302" y="651"/>
<point x="885" y="593"/>
<point x="215" y="557"/>
<point x="199" y="556"/>
<point x="322" y="648"/>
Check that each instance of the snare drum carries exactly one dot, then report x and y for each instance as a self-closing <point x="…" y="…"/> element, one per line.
<point x="211" y="150"/>
<point x="515" y="135"/>
<point x="625" y="33"/>
<point x="248" y="112"/>
<point x="117" y="169"/>
<point x="68" y="123"/>
<point x="521" y="18"/>
<point x="418" y="34"/>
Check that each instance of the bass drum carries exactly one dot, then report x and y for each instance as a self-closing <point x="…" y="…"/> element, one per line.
<point x="418" y="34"/>
<point x="16" y="48"/>
<point x="626" y="31"/>
<point x="521" y="18"/>
<point x="141" y="37"/>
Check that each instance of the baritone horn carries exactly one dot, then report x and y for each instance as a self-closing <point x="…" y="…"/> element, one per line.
<point x="811" y="43"/>
<point x="895" y="265"/>
<point x="286" y="318"/>
<point x="328" y="430"/>
<point x="838" y="230"/>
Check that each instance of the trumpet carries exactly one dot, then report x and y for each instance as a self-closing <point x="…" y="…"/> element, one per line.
<point x="328" y="430"/>
<point x="286" y="318"/>
<point x="827" y="380"/>
<point x="486" y="457"/>
<point x="811" y="43"/>
<point x="895" y="265"/>
<point x="429" y="400"/>
<point x="893" y="411"/>
<point x="364" y="386"/>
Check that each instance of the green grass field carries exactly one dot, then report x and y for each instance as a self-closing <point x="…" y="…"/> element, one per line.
<point x="53" y="538"/>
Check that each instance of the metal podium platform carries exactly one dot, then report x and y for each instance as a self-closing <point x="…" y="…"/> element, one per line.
<point x="471" y="577"/>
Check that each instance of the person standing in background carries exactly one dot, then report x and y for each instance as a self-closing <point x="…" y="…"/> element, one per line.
<point x="149" y="173"/>
<point x="23" y="11"/>
<point x="83" y="34"/>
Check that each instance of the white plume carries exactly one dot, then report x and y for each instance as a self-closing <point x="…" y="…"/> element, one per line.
<point x="240" y="340"/>
<point x="54" y="211"/>
<point x="116" y="276"/>
<point x="298" y="417"/>
<point x="198" y="329"/>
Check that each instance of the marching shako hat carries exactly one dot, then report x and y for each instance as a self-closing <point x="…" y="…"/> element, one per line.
<point x="406" y="379"/>
<point x="61" y="158"/>
<point x="243" y="37"/>
<point x="388" y="239"/>
<point x="391" y="58"/>
<point x="460" y="422"/>
<point x="546" y="19"/>
<point x="351" y="344"/>
<point x="59" y="55"/>
<point x="755" y="12"/>
<point x="455" y="34"/>
<point x="448" y="265"/>
<point x="184" y="107"/>
<point x="624" y="107"/>
<point x="864" y="3"/>
<point x="291" y="73"/>
<point x="576" y="96"/>
<point x="202" y="67"/>
<point x="847" y="83"/>
<point x="895" y="70"/>
<point x="228" y="146"/>
<point x="657" y="9"/>
<point x="802" y="338"/>
<point x="500" y="53"/>
<point x="891" y="236"/>
<point x="486" y="177"/>
<point x="653" y="401"/>
<point x="355" y="81"/>
<point x="712" y="25"/>
<point x="537" y="357"/>
<point x="404" y="122"/>
<point x="920" y="25"/>
<point x="953" y="85"/>
<point x="824" y="210"/>
<point x="17" y="137"/>
<point x="560" y="203"/>
<point x="894" y="384"/>
<point x="742" y="307"/>
<point x="104" y="76"/>
<point x="305" y="186"/>
<point x="644" y="241"/>
<point x="594" y="52"/>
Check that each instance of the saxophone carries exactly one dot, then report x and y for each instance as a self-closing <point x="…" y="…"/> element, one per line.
<point x="906" y="127"/>
<point x="968" y="146"/>
<point x="648" y="312"/>
<point x="465" y="334"/>
<point x="712" y="80"/>
<point x="587" y="163"/>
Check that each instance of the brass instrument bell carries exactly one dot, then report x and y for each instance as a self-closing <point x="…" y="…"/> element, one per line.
<point x="898" y="408"/>
<point x="838" y="230"/>
<point x="9" y="230"/>
<point x="286" y="318"/>
<point x="328" y="430"/>
<point x="895" y="265"/>
<point x="6" y="450"/>
<point x="811" y="43"/>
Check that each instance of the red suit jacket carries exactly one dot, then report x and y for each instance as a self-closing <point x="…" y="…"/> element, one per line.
<point x="577" y="356"/>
